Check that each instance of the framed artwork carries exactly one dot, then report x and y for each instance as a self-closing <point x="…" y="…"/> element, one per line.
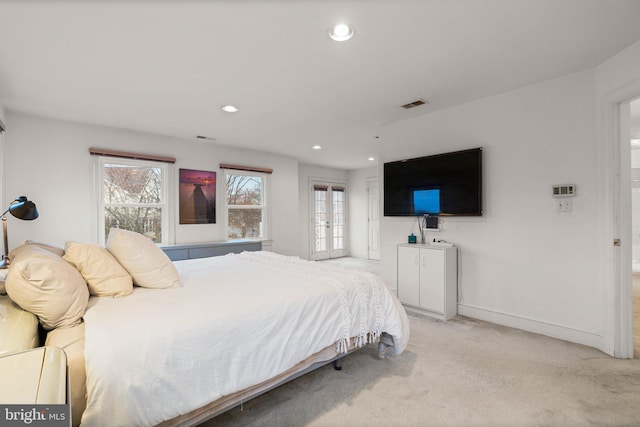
<point x="197" y="197"/>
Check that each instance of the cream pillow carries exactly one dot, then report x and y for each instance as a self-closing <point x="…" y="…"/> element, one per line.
<point x="102" y="272"/>
<point x="149" y="266"/>
<point x="47" y="286"/>
<point x="28" y="243"/>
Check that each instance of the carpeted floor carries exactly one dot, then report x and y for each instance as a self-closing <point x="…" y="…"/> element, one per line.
<point x="462" y="373"/>
<point x="636" y="316"/>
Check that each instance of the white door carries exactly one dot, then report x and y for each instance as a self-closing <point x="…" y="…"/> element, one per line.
<point x="373" y="191"/>
<point x="409" y="275"/>
<point x="432" y="280"/>
<point x="328" y="235"/>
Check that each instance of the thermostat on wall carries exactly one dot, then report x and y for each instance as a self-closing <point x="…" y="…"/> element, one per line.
<point x="564" y="190"/>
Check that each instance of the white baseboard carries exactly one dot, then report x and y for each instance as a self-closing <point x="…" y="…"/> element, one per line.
<point x="358" y="255"/>
<point x="590" y="339"/>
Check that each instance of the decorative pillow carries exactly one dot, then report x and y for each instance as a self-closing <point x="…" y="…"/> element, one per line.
<point x="149" y="266"/>
<point x="102" y="272"/>
<point x="56" y="250"/>
<point x="53" y="249"/>
<point x="47" y="286"/>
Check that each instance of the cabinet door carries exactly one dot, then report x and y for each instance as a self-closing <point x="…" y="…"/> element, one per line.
<point x="432" y="280"/>
<point x="409" y="276"/>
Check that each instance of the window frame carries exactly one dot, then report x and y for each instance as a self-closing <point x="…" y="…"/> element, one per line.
<point x="266" y="186"/>
<point x="167" y="206"/>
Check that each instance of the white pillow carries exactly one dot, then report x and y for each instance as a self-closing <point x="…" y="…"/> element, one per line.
<point x="47" y="286"/>
<point x="149" y="266"/>
<point x="102" y="272"/>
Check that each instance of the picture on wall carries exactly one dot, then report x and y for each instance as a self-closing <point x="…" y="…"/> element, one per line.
<point x="197" y="197"/>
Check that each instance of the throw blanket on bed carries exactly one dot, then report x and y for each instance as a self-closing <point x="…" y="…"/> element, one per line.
<point x="237" y="321"/>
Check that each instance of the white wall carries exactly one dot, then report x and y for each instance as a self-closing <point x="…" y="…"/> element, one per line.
<point x="305" y="175"/>
<point x="359" y="210"/>
<point x="523" y="264"/>
<point x="48" y="161"/>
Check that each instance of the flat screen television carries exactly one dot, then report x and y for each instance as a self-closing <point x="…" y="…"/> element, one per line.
<point x="442" y="184"/>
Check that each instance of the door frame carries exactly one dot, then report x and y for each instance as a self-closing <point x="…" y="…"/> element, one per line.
<point x="370" y="182"/>
<point x="615" y="211"/>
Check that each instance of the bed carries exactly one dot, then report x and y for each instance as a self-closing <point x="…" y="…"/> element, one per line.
<point x="215" y="332"/>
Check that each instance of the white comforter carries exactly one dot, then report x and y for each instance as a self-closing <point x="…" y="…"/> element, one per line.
<point x="237" y="321"/>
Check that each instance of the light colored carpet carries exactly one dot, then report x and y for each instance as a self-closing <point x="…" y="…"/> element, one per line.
<point x="462" y="373"/>
<point x="636" y="316"/>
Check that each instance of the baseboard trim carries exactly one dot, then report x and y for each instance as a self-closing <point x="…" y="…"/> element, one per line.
<point x="358" y="255"/>
<point x="566" y="333"/>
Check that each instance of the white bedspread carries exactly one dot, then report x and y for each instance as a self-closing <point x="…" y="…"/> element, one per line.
<point x="237" y="321"/>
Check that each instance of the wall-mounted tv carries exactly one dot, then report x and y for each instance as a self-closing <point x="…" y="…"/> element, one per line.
<point x="442" y="184"/>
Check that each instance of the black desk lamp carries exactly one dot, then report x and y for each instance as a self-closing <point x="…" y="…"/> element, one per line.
<point x="20" y="208"/>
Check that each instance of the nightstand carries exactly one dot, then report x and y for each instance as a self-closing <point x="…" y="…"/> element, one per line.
<point x="18" y="328"/>
<point x="36" y="376"/>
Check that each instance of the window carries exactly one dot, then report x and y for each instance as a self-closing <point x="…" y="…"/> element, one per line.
<point x="246" y="204"/>
<point x="134" y="196"/>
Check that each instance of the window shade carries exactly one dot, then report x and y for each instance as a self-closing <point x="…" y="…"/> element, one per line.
<point x="245" y="168"/>
<point x="127" y="155"/>
<point x="320" y="187"/>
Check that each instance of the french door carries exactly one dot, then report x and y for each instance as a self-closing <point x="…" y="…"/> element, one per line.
<point x="328" y="219"/>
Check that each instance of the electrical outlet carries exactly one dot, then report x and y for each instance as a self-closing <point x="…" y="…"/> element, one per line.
<point x="564" y="205"/>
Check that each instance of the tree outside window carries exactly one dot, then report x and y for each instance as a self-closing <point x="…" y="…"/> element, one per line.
<point x="133" y="197"/>
<point x="246" y="207"/>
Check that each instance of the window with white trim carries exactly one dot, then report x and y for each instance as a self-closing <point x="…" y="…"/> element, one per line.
<point x="246" y="203"/>
<point x="134" y="195"/>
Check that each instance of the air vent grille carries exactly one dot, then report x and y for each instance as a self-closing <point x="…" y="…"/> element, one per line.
<point x="414" y="104"/>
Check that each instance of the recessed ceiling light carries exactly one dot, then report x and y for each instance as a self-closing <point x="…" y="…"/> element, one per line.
<point x="341" y="32"/>
<point x="371" y="159"/>
<point x="229" y="109"/>
<point x="317" y="147"/>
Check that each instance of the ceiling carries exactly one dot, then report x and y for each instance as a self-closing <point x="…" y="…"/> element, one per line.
<point x="166" y="67"/>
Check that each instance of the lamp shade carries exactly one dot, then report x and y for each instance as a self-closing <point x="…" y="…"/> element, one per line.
<point x="24" y="209"/>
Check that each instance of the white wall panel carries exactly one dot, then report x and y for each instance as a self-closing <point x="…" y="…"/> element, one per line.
<point x="522" y="258"/>
<point x="48" y="161"/>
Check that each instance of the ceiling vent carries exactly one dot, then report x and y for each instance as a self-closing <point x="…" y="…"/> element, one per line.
<point x="205" y="137"/>
<point x="413" y="104"/>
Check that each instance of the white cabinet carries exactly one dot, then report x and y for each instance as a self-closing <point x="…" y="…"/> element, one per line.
<point x="427" y="279"/>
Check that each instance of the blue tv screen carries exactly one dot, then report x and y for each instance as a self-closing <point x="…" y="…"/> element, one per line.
<point x="426" y="202"/>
